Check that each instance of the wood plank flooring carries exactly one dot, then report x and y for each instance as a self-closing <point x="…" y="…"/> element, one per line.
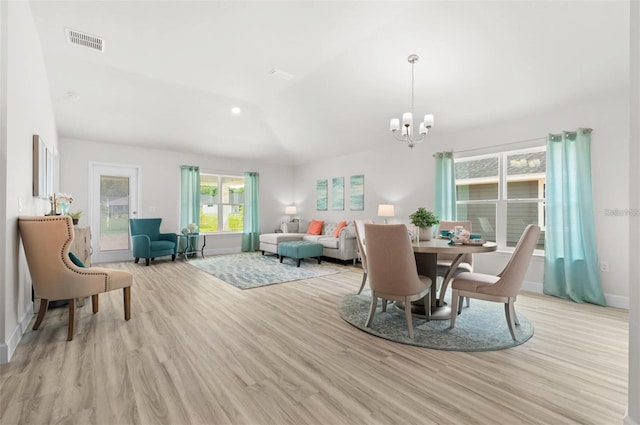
<point x="199" y="351"/>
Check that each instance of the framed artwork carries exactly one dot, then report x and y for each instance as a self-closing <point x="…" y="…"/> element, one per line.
<point x="42" y="169"/>
<point x="321" y="195"/>
<point x="337" y="194"/>
<point x="356" y="193"/>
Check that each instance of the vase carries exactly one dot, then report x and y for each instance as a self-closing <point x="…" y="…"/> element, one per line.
<point x="64" y="208"/>
<point x="426" y="233"/>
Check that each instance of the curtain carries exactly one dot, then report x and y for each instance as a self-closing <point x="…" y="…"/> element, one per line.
<point x="189" y="195"/>
<point x="251" y="230"/>
<point x="571" y="260"/>
<point x="445" y="200"/>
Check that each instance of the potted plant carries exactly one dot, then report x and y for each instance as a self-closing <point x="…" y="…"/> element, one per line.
<point x="425" y="220"/>
<point x="75" y="216"/>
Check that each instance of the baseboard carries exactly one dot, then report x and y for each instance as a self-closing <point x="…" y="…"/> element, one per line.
<point x="7" y="349"/>
<point x="628" y="421"/>
<point x="616" y="301"/>
<point x="219" y="251"/>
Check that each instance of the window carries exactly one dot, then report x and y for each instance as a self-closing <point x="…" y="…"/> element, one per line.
<point x="221" y="203"/>
<point x="502" y="193"/>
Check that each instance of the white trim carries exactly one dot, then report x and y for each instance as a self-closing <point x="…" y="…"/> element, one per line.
<point x="627" y="420"/>
<point x="7" y="350"/>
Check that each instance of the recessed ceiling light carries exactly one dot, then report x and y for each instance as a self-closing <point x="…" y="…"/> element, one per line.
<point x="235" y="110"/>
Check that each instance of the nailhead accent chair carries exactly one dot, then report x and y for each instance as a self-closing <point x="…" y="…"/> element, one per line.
<point x="393" y="274"/>
<point x="54" y="276"/>
<point x="502" y="288"/>
<point x="147" y="241"/>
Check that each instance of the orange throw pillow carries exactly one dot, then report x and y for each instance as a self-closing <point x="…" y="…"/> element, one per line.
<point x="315" y="227"/>
<point x="336" y="233"/>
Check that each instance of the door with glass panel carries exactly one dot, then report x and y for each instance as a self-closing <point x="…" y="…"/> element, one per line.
<point x="113" y="200"/>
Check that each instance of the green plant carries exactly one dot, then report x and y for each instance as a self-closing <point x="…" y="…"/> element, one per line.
<point x="75" y="215"/>
<point x="423" y="218"/>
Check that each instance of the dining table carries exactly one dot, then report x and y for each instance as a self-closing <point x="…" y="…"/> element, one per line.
<point x="426" y="254"/>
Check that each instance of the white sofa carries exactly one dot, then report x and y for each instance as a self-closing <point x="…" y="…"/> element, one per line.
<point x="342" y="248"/>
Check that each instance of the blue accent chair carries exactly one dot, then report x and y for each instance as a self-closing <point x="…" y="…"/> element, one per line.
<point x="147" y="241"/>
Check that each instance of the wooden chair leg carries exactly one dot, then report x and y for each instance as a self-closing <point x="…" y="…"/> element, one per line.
<point x="44" y="306"/>
<point x="146" y="261"/>
<point x="384" y="305"/>
<point x="94" y="302"/>
<point x="72" y="319"/>
<point x="455" y="300"/>
<point x="127" y="303"/>
<point x="372" y="311"/>
<point x="364" y="280"/>
<point x="407" y="315"/>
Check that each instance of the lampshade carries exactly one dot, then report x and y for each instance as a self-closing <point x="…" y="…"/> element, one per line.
<point x="290" y="210"/>
<point x="386" y="210"/>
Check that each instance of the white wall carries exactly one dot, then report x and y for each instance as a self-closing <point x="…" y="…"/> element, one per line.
<point x="26" y="110"/>
<point x="160" y="183"/>
<point x="633" y="405"/>
<point x="405" y="177"/>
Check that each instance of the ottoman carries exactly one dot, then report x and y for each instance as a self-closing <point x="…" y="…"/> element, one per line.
<point x="299" y="250"/>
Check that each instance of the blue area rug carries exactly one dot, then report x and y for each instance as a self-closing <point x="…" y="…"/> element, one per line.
<point x="481" y="327"/>
<point x="252" y="269"/>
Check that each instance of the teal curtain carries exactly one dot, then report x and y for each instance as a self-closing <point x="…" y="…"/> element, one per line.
<point x="571" y="261"/>
<point x="189" y="195"/>
<point x="251" y="230"/>
<point x="445" y="200"/>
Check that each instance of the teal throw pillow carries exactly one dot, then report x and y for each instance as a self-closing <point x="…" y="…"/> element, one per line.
<point x="75" y="260"/>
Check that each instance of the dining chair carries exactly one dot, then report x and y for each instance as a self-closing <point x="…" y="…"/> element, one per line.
<point x="392" y="270"/>
<point x="445" y="261"/>
<point x="359" y="225"/>
<point x="54" y="274"/>
<point x="502" y="288"/>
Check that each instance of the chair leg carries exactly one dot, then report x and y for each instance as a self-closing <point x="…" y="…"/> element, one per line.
<point x="514" y="315"/>
<point x="136" y="260"/>
<point x="427" y="306"/>
<point x="466" y="299"/>
<point x="127" y="302"/>
<point x="372" y="311"/>
<point x="384" y="305"/>
<point x="44" y="306"/>
<point x="94" y="303"/>
<point x="146" y="261"/>
<point x="173" y="257"/>
<point x="72" y="319"/>
<point x="507" y="311"/>
<point x="407" y="314"/>
<point x="364" y="280"/>
<point x="455" y="301"/>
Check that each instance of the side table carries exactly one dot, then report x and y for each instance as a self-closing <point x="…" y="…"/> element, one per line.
<point x="190" y="243"/>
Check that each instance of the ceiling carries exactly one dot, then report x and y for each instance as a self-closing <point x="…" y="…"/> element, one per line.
<point x="172" y="70"/>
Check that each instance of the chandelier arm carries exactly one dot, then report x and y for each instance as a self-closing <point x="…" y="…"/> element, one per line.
<point x="399" y="139"/>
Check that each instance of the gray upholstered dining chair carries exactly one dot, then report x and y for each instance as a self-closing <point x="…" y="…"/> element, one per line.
<point x="502" y="288"/>
<point x="392" y="270"/>
<point x="446" y="260"/>
<point x="359" y="225"/>
<point x="46" y="242"/>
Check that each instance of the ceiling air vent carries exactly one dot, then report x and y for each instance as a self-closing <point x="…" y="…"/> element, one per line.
<point x="83" y="39"/>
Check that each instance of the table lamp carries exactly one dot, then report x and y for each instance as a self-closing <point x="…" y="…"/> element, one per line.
<point x="290" y="210"/>
<point x="386" y="210"/>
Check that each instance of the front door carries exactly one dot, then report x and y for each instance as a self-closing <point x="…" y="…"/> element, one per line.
<point x="113" y="199"/>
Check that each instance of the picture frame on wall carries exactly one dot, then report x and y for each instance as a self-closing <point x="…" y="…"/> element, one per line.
<point x="356" y="192"/>
<point x="42" y="169"/>
<point x="322" y="195"/>
<point x="337" y="194"/>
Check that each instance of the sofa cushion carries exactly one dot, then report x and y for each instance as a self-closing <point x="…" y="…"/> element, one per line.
<point x="315" y="227"/>
<point x="275" y="238"/>
<point x="303" y="225"/>
<point x="326" y="241"/>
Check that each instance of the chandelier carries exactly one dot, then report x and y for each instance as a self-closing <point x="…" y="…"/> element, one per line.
<point x="407" y="135"/>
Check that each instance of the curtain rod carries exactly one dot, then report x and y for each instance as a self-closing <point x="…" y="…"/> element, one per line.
<point x="584" y="131"/>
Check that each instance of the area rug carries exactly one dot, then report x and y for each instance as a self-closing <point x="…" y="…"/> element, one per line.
<point x="481" y="327"/>
<point x="252" y="269"/>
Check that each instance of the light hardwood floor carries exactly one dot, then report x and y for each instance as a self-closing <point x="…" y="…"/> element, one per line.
<point x="199" y="351"/>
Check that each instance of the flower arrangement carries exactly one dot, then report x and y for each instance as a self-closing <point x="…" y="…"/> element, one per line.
<point x="62" y="200"/>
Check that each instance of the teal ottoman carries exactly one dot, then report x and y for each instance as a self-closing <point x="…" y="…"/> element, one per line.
<point x="299" y="250"/>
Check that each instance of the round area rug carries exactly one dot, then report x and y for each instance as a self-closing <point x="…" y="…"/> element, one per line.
<point x="481" y="327"/>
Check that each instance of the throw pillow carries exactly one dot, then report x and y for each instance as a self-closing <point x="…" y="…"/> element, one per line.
<point x="75" y="260"/>
<point x="315" y="227"/>
<point x="336" y="233"/>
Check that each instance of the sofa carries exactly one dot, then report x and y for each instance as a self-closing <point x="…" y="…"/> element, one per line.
<point x="343" y="247"/>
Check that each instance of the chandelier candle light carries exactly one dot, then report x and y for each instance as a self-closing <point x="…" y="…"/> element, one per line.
<point x="407" y="119"/>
